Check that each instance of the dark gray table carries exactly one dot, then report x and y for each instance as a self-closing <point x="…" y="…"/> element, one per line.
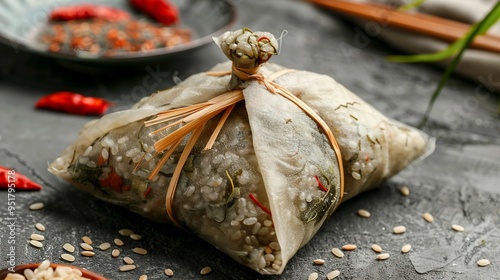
<point x="457" y="184"/>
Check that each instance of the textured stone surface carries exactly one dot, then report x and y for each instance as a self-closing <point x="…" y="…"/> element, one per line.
<point x="458" y="184"/>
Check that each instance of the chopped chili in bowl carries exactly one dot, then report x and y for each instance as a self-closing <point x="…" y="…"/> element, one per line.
<point x="96" y="30"/>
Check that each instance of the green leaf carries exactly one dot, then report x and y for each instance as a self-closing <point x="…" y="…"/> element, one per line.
<point x="479" y="28"/>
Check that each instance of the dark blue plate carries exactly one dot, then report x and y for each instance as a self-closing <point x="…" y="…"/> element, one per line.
<point x="20" y="20"/>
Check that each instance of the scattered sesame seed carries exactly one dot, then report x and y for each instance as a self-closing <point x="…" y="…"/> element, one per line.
<point x="36" y="243"/>
<point x="128" y="260"/>
<point x="88" y="253"/>
<point x="364" y="213"/>
<point x="333" y="274"/>
<point x="349" y="247"/>
<point x="337" y="253"/>
<point x="40" y="227"/>
<point x="143" y="277"/>
<point x="127" y="267"/>
<point x="115" y="253"/>
<point x="376" y="248"/>
<point x="383" y="256"/>
<point x="125" y="232"/>
<point x="37" y="237"/>
<point x="457" y="228"/>
<point x="313" y="276"/>
<point x="68" y="257"/>
<point x="104" y="246"/>
<point x="118" y="242"/>
<point x="135" y="236"/>
<point x="319" y="261"/>
<point x="356" y="175"/>
<point x="37" y="206"/>
<point x="69" y="248"/>
<point x="86" y="247"/>
<point x="206" y="270"/>
<point x="404" y="190"/>
<point x="483" y="262"/>
<point x="169" y="272"/>
<point x="87" y="240"/>
<point x="140" y="251"/>
<point x="406" y="248"/>
<point x="399" y="229"/>
<point x="428" y="217"/>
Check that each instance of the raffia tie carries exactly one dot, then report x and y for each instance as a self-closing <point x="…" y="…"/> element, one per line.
<point x="194" y="118"/>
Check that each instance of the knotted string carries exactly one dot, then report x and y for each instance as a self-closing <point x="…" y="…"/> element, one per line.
<point x="195" y="117"/>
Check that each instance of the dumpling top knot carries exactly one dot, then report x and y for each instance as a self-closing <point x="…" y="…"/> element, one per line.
<point x="247" y="49"/>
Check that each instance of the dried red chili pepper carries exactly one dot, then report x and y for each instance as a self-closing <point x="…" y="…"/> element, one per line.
<point x="73" y="103"/>
<point x="162" y="11"/>
<point x="84" y="11"/>
<point x="10" y="179"/>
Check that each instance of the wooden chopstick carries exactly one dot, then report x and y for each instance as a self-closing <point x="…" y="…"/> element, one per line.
<point x="437" y="27"/>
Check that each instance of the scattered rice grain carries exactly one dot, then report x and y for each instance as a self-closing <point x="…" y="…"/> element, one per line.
<point x="87" y="240"/>
<point x="115" y="253"/>
<point x="319" y="261"/>
<point x="483" y="262"/>
<point x="135" y="236"/>
<point x="428" y="217"/>
<point x="37" y="206"/>
<point x="406" y="248"/>
<point x="125" y="232"/>
<point x="337" y="253"/>
<point x="140" y="251"/>
<point x="404" y="190"/>
<point x="349" y="247"/>
<point x="383" y="256"/>
<point x="128" y="260"/>
<point x="37" y="237"/>
<point x="88" y="253"/>
<point x="127" y="267"/>
<point x="68" y="257"/>
<point x="313" y="276"/>
<point x="457" y="228"/>
<point x="104" y="246"/>
<point x="86" y="247"/>
<point x="40" y="227"/>
<point x="376" y="248"/>
<point x="399" y="229"/>
<point x="36" y="243"/>
<point x="118" y="242"/>
<point x="206" y="270"/>
<point x="364" y="213"/>
<point x="169" y="272"/>
<point x="333" y="274"/>
<point x="143" y="277"/>
<point x="69" y="248"/>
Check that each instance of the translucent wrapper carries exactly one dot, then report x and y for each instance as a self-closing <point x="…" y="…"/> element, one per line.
<point x="271" y="177"/>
